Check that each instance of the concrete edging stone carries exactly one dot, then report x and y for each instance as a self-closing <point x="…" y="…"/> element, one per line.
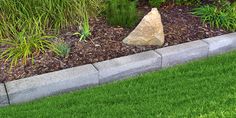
<point x="35" y="87"/>
<point x="182" y="53"/>
<point x="119" y="68"/>
<point x="3" y="95"/>
<point x="221" y="44"/>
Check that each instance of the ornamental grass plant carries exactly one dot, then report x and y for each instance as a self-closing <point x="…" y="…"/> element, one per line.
<point x="27" y="25"/>
<point x="221" y="16"/>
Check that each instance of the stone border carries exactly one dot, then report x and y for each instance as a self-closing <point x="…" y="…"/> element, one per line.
<point x="3" y="95"/>
<point x="36" y="87"/>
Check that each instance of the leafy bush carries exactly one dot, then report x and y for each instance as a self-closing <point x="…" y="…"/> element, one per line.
<point x="218" y="17"/>
<point x="121" y="13"/>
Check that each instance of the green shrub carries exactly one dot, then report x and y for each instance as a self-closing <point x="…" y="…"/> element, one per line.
<point x="218" y="17"/>
<point x="121" y="13"/>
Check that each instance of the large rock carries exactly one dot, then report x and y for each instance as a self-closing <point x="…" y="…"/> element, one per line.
<point x="148" y="32"/>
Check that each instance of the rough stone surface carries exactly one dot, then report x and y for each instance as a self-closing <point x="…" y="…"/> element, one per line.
<point x="119" y="68"/>
<point x="31" y="88"/>
<point x="182" y="53"/>
<point x="148" y="32"/>
<point x="3" y="96"/>
<point x="221" y="44"/>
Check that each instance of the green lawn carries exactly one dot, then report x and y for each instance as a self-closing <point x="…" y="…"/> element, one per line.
<point x="205" y="88"/>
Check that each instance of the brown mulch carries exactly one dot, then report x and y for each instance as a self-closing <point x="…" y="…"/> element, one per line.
<point x="106" y="43"/>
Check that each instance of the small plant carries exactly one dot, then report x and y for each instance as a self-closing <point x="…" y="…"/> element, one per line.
<point x="85" y="29"/>
<point x="121" y="13"/>
<point x="84" y="32"/>
<point x="62" y="49"/>
<point x="218" y="17"/>
<point x="24" y="45"/>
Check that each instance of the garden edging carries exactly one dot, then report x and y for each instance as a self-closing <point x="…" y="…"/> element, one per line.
<point x="3" y="95"/>
<point x="118" y="68"/>
<point x="39" y="86"/>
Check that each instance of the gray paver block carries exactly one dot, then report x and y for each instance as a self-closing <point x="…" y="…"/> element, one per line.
<point x="182" y="53"/>
<point x="119" y="68"/>
<point x="3" y="96"/>
<point x="221" y="44"/>
<point x="31" y="88"/>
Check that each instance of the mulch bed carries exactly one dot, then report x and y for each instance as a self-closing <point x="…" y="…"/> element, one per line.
<point x="106" y="43"/>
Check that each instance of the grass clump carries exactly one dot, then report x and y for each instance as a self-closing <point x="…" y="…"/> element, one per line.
<point x="122" y="13"/>
<point x="24" y="24"/>
<point x="219" y="17"/>
<point x="62" y="49"/>
<point x="24" y="44"/>
<point x="84" y="32"/>
<point x="52" y="14"/>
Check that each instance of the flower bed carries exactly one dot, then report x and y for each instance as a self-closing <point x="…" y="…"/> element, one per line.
<point x="105" y="42"/>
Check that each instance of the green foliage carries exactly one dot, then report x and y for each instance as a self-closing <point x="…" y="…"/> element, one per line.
<point x="218" y="17"/>
<point x="18" y="17"/>
<point x="84" y="32"/>
<point x="62" y="49"/>
<point x="121" y="13"/>
<point x="156" y="3"/>
<point x="53" y="14"/>
<point x="24" y="44"/>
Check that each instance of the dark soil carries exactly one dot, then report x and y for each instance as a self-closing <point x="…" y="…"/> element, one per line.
<point x="106" y="43"/>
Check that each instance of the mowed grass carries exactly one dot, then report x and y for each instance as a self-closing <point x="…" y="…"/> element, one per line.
<point x="205" y="88"/>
